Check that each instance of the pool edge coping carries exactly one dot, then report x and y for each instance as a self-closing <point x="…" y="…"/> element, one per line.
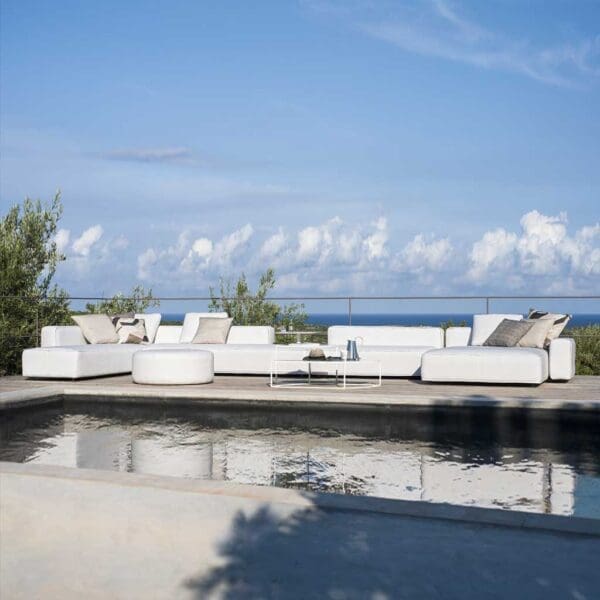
<point x="325" y="501"/>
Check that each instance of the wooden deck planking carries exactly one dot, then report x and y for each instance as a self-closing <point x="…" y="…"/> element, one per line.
<point x="580" y="393"/>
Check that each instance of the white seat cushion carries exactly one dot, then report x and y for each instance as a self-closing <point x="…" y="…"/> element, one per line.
<point x="173" y="366"/>
<point x="485" y="364"/>
<point x="75" y="362"/>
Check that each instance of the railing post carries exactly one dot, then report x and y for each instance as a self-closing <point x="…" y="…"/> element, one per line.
<point x="37" y="325"/>
<point x="487" y="306"/>
<point x="349" y="311"/>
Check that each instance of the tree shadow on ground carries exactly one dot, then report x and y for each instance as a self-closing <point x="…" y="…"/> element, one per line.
<point x="345" y="554"/>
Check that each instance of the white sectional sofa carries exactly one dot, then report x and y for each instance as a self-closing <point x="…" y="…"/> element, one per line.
<point x="402" y="352"/>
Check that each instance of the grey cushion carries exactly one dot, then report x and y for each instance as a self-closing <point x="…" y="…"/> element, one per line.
<point x="508" y="333"/>
<point x="212" y="331"/>
<point x="97" y="329"/>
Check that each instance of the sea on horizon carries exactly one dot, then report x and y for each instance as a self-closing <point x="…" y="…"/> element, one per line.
<point x="431" y="319"/>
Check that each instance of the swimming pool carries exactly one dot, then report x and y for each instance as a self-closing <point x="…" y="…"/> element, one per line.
<point x="537" y="461"/>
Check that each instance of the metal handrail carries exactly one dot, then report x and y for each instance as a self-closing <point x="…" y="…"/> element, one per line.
<point x="488" y="298"/>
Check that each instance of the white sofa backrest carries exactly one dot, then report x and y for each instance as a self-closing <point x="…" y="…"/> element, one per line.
<point x="484" y="325"/>
<point x="168" y="334"/>
<point x="62" y="335"/>
<point x="338" y="335"/>
<point x="251" y="334"/>
<point x="457" y="336"/>
<point x="151" y="322"/>
<point x="238" y="334"/>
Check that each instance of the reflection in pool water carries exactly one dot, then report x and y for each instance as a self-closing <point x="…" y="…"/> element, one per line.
<point x="485" y="458"/>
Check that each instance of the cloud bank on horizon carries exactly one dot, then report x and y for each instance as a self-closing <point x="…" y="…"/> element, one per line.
<point x="336" y="257"/>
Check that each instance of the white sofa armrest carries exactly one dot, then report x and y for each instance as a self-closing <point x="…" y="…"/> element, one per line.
<point x="457" y="336"/>
<point x="62" y="335"/>
<point x="168" y="334"/>
<point x="562" y="359"/>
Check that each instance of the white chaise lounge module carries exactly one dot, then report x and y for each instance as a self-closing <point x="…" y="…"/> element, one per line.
<point x="470" y="364"/>
<point x="462" y="361"/>
<point x="398" y="349"/>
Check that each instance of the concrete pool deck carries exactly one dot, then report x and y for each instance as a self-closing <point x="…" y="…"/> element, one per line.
<point x="68" y="533"/>
<point x="580" y="394"/>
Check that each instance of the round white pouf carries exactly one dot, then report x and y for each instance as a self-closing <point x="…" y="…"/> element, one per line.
<point x="173" y="366"/>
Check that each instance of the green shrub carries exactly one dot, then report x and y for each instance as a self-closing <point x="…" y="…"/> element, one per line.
<point x="28" y="260"/>
<point x="248" y="308"/>
<point x="136" y="301"/>
<point x="588" y="348"/>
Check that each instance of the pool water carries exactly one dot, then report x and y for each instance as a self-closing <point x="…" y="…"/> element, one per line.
<point x="529" y="461"/>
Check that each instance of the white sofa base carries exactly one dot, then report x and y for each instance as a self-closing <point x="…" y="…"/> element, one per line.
<point x="78" y="362"/>
<point x="396" y="361"/>
<point x="482" y="364"/>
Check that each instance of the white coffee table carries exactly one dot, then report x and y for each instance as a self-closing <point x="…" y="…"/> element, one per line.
<point x="340" y="369"/>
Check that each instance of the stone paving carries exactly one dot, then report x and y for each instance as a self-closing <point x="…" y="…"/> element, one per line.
<point x="70" y="533"/>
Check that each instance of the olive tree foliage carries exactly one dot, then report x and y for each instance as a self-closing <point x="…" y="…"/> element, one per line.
<point x="136" y="301"/>
<point x="28" y="260"/>
<point x="254" y="308"/>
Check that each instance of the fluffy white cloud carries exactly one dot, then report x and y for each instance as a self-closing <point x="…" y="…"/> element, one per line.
<point x="542" y="249"/>
<point x="202" y="247"/>
<point x="421" y="255"/>
<point x="145" y="262"/>
<point x="375" y="243"/>
<point x="193" y="256"/>
<point x="83" y="244"/>
<point x="335" y="243"/>
<point x="274" y="245"/>
<point x="230" y="244"/>
<point x="61" y="239"/>
<point x="495" y="250"/>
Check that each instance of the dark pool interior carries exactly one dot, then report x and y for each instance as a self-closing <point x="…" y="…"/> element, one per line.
<point x="539" y="461"/>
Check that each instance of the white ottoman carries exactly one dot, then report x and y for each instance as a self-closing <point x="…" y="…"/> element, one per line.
<point x="173" y="366"/>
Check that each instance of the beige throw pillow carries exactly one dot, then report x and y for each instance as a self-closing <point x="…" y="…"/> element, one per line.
<point x="537" y="336"/>
<point x="190" y="324"/>
<point x="97" y="329"/>
<point x="559" y="322"/>
<point x="212" y="331"/>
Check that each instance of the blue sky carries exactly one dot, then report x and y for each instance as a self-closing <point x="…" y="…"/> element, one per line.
<point x="358" y="147"/>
